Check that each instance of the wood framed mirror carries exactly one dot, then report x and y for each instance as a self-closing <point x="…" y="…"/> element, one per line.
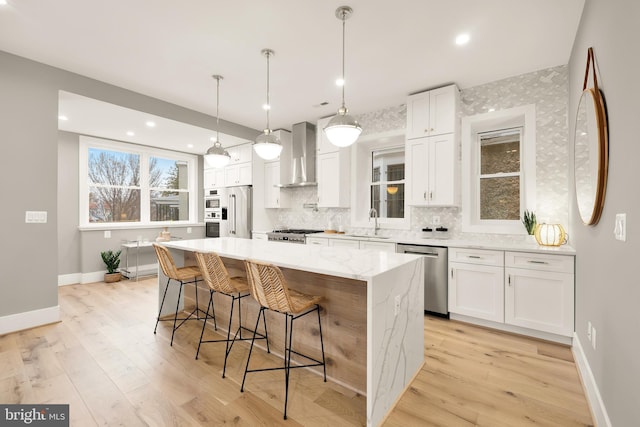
<point x="591" y="150"/>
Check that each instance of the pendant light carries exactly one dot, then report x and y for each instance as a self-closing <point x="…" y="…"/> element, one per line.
<point x="343" y="130"/>
<point x="267" y="144"/>
<point x="217" y="156"/>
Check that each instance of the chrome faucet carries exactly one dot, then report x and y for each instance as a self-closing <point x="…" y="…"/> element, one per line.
<point x="373" y="213"/>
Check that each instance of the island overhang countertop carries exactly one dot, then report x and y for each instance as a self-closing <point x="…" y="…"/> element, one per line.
<point x="358" y="264"/>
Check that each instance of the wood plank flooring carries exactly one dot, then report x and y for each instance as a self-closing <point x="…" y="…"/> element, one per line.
<point x="104" y="360"/>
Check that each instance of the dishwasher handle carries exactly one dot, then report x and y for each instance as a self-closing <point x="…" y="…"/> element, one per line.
<point x="425" y="254"/>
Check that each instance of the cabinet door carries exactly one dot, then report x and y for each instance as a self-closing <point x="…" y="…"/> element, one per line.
<point x="380" y="246"/>
<point x="214" y="178"/>
<point x="334" y="179"/>
<point x="442" y="110"/>
<point x="540" y="300"/>
<point x="344" y="243"/>
<point x="323" y="145"/>
<point x="477" y="291"/>
<point x="320" y="241"/>
<point x="240" y="153"/>
<point x="417" y="158"/>
<point x="418" y="115"/>
<point x="244" y="174"/>
<point x="441" y="170"/>
<point x="271" y="179"/>
<point x="259" y="236"/>
<point x="231" y="175"/>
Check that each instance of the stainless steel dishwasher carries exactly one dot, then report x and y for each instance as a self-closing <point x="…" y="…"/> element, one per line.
<point x="435" y="276"/>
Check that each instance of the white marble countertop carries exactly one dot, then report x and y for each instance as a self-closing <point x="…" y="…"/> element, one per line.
<point x="359" y="264"/>
<point x="508" y="243"/>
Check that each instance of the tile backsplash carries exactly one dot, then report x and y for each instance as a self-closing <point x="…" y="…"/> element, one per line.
<point x="547" y="89"/>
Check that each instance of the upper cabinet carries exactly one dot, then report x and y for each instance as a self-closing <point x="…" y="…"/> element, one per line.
<point x="214" y="178"/>
<point x="323" y="145"/>
<point x="239" y="174"/>
<point x="433" y="112"/>
<point x="432" y="148"/>
<point x="240" y="153"/>
<point x="274" y="197"/>
<point x="334" y="179"/>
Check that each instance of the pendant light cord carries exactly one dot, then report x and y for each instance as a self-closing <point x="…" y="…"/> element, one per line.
<point x="218" y="110"/>
<point x="343" y="44"/>
<point x="268" y="55"/>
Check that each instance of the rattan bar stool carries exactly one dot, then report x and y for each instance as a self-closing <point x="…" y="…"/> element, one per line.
<point x="182" y="275"/>
<point x="216" y="276"/>
<point x="269" y="287"/>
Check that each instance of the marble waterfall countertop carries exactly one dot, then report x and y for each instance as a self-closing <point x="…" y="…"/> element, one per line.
<point x="341" y="262"/>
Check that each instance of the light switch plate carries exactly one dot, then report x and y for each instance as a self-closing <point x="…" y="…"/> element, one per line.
<point x="35" y="217"/>
<point x="620" y="229"/>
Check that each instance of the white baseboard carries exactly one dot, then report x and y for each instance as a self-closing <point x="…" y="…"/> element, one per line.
<point x="98" y="276"/>
<point x="598" y="410"/>
<point x="29" y="319"/>
<point x="69" y="279"/>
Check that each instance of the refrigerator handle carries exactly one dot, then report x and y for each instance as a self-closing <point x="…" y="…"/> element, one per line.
<point x="233" y="198"/>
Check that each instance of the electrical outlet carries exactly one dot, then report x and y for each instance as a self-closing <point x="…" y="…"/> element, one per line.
<point x="35" y="217"/>
<point x="620" y="229"/>
<point x="396" y="307"/>
<point x="188" y="230"/>
<point x="107" y="234"/>
<point x="593" y="337"/>
<point x="589" y="330"/>
<point x="435" y="219"/>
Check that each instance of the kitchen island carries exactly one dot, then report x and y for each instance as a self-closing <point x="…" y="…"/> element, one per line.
<point x="372" y="309"/>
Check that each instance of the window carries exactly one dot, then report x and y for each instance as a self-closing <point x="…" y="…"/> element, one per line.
<point x="387" y="182"/>
<point x="128" y="184"/>
<point x="498" y="170"/>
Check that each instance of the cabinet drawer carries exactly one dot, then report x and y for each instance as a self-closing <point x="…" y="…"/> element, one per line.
<point x="317" y="241"/>
<point x="535" y="261"/>
<point x="476" y="256"/>
<point x="344" y="243"/>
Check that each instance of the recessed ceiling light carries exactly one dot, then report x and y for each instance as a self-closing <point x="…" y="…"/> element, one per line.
<point x="189" y="145"/>
<point x="131" y="133"/>
<point x="60" y="117"/>
<point x="462" y="39"/>
<point x="3" y="2"/>
<point x="266" y="107"/>
<point x="340" y="81"/>
<point x="151" y="124"/>
<point x="491" y="110"/>
<point x="212" y="139"/>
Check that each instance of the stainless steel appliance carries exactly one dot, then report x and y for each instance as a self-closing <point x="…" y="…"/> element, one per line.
<point x="239" y="219"/>
<point x="298" y="157"/>
<point x="215" y="214"/>
<point x="290" y="235"/>
<point x="213" y="198"/>
<point x="435" y="276"/>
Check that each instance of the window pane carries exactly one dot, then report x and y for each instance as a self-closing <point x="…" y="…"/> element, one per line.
<point x="391" y="205"/>
<point x="499" y="154"/>
<point x="375" y="198"/>
<point x="113" y="168"/>
<point x="114" y="204"/>
<point x="387" y="165"/>
<point x="500" y="198"/>
<point x="395" y="172"/>
<point x="166" y="173"/>
<point x="169" y="206"/>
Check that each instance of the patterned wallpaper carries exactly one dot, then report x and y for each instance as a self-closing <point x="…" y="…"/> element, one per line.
<point x="547" y="89"/>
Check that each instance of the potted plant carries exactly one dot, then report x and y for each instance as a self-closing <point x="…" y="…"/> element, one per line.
<point x="530" y="222"/>
<point x="112" y="261"/>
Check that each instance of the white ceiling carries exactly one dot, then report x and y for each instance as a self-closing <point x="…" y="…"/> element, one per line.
<point x="169" y="50"/>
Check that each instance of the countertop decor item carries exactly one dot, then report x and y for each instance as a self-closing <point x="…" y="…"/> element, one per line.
<point x="217" y="156"/>
<point x="591" y="148"/>
<point x="550" y="235"/>
<point x="112" y="261"/>
<point x="343" y="130"/>
<point x="165" y="235"/>
<point x="267" y="144"/>
<point x="529" y="221"/>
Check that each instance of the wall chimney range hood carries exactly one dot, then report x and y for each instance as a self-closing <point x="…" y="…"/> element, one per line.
<point x="298" y="158"/>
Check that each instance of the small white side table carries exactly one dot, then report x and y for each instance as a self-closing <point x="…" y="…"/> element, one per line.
<point x="133" y="244"/>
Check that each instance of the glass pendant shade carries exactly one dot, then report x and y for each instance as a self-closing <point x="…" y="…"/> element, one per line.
<point x="267" y="145"/>
<point x="342" y="130"/>
<point x="217" y="157"/>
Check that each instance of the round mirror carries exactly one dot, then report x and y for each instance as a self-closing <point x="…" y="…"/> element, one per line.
<point x="591" y="156"/>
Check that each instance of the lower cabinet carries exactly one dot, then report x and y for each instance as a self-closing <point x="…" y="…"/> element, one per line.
<point x="522" y="289"/>
<point x="539" y="292"/>
<point x="344" y="243"/>
<point x="476" y="283"/>
<point x="352" y="243"/>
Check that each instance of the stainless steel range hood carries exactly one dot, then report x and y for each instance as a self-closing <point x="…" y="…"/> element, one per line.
<point x="298" y="158"/>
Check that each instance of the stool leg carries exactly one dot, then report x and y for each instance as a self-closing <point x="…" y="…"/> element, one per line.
<point x="228" y="347"/>
<point x="195" y="285"/>
<point x="266" y="334"/>
<point x="287" y="358"/>
<point x="324" y="365"/>
<point x="175" y="318"/>
<point x="244" y="377"/>
<point x="206" y="315"/>
<point x="161" y="305"/>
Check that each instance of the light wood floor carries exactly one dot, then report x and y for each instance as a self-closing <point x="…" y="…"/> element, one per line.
<point x="104" y="360"/>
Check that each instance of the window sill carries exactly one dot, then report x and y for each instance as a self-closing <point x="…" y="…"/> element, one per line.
<point x="129" y="226"/>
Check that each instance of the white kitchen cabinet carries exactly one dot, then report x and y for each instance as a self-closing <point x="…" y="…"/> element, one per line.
<point x="432" y="171"/>
<point x="257" y="235"/>
<point x="334" y="179"/>
<point x="539" y="292"/>
<point x="273" y="196"/>
<point x="323" y="145"/>
<point x="433" y="112"/>
<point x="213" y="178"/>
<point x="240" y="153"/>
<point x="320" y="241"/>
<point x="379" y="246"/>
<point x="344" y="243"/>
<point x="239" y="174"/>
<point x="476" y="283"/>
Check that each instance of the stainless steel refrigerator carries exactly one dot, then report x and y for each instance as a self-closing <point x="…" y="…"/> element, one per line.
<point x="239" y="214"/>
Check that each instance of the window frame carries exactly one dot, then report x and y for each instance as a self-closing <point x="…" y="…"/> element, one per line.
<point x="386" y="182"/>
<point x="472" y="127"/>
<point x="145" y="153"/>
